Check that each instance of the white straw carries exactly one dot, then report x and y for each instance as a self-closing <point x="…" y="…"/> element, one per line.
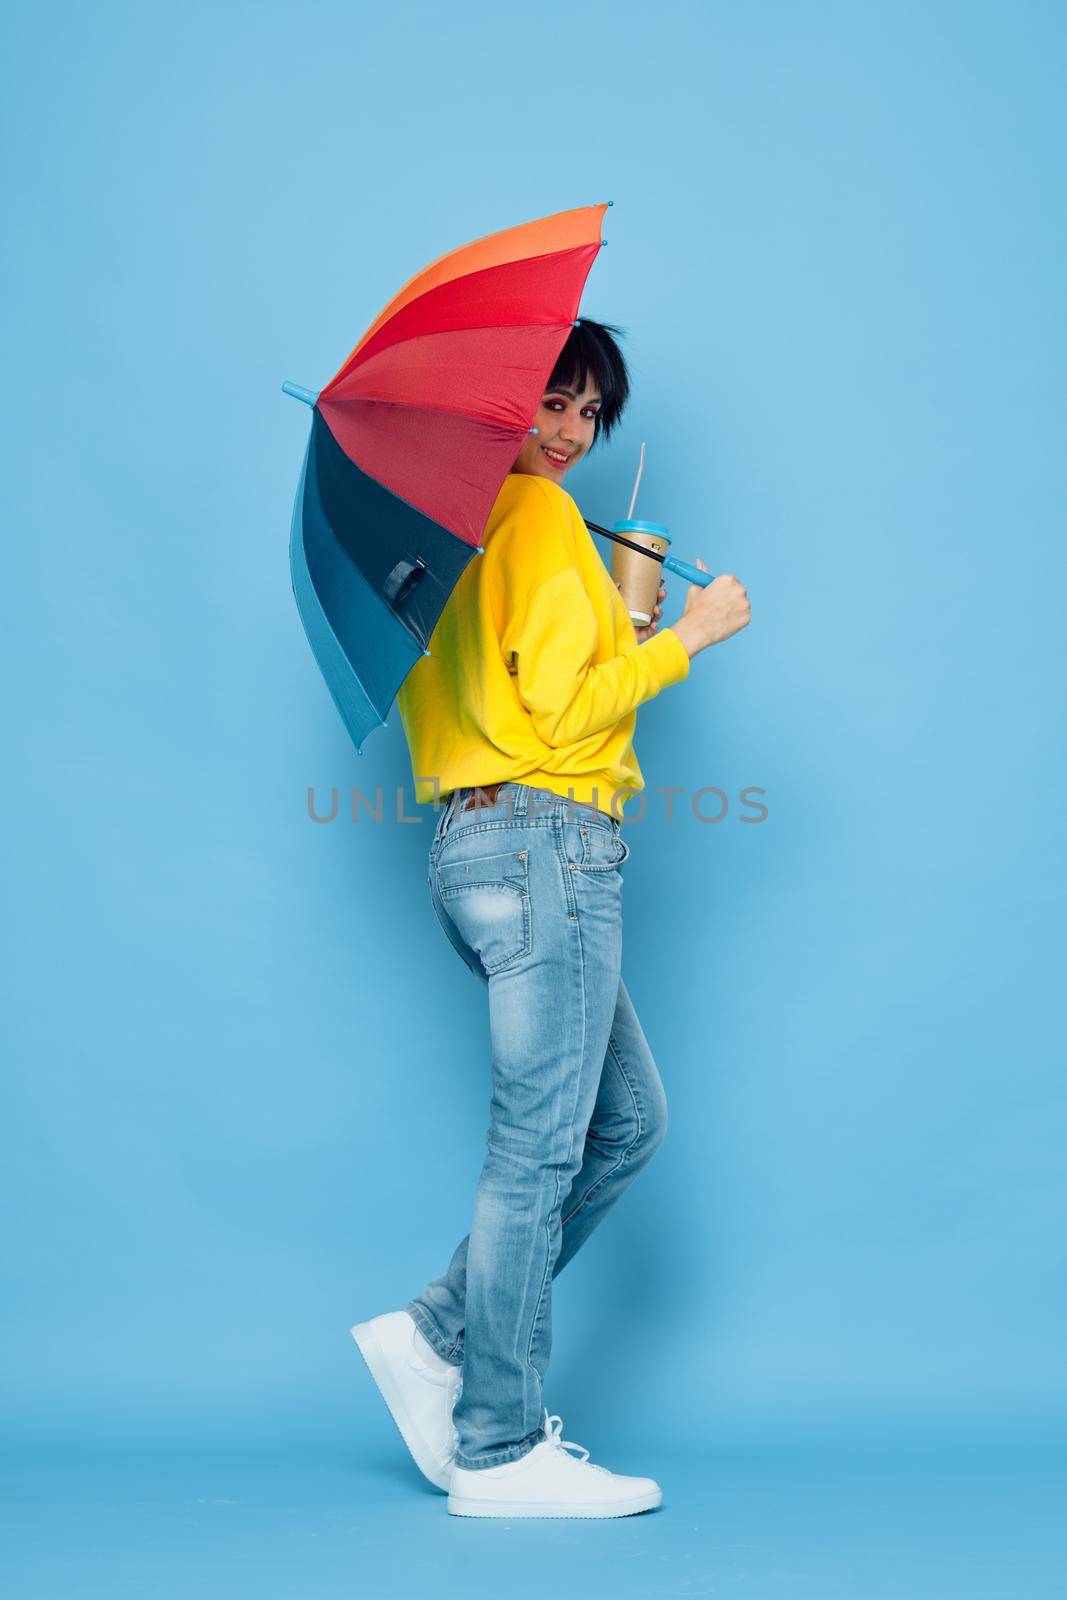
<point x="637" y="480"/>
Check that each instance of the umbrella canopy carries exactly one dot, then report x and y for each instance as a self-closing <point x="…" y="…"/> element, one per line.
<point x="410" y="444"/>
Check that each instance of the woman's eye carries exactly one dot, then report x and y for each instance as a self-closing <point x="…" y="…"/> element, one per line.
<point x="589" y="410"/>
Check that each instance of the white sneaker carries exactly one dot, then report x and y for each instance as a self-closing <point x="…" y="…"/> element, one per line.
<point x="419" y="1387"/>
<point x="547" y="1482"/>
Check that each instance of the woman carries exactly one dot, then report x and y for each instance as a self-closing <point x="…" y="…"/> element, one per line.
<point x="522" y="717"/>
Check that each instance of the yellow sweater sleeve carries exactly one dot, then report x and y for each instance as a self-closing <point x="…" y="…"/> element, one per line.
<point x="567" y="696"/>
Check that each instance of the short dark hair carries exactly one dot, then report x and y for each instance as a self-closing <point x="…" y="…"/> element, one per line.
<point x="591" y="351"/>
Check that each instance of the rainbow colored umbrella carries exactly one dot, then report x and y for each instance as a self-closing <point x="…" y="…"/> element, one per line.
<point x="410" y="444"/>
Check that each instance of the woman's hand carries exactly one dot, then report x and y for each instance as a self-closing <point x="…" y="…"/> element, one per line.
<point x="713" y="612"/>
<point x="647" y="632"/>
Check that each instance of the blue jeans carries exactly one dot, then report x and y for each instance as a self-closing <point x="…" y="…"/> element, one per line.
<point x="529" y="892"/>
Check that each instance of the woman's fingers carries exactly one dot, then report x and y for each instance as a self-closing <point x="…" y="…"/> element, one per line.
<point x="649" y="628"/>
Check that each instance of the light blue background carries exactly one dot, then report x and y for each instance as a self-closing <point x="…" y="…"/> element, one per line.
<point x="249" y="1086"/>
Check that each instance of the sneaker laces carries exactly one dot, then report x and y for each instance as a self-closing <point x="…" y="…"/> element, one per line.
<point x="552" y="1437"/>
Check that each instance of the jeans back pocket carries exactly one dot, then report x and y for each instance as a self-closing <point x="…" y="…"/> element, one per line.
<point x="488" y="899"/>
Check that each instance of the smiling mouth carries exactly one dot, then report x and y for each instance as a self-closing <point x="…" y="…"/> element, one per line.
<point x="556" y="459"/>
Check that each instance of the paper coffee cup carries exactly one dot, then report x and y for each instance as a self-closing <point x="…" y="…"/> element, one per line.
<point x="638" y="577"/>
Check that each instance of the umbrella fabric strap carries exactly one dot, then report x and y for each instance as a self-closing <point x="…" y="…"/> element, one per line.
<point x="402" y="579"/>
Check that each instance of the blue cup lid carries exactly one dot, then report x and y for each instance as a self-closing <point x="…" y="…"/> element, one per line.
<point x="642" y="527"/>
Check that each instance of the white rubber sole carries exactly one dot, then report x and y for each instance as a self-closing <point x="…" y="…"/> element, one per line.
<point x="412" y="1435"/>
<point x="463" y="1507"/>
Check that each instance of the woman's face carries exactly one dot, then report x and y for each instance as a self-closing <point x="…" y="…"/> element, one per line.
<point x="566" y="424"/>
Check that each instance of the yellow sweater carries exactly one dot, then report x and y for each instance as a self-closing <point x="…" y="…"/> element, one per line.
<point x="535" y="673"/>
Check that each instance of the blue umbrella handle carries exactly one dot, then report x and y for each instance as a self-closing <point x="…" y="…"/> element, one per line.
<point x="685" y="569"/>
<point x="670" y="563"/>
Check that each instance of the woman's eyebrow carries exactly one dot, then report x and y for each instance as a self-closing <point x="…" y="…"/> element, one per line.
<point x="595" y="401"/>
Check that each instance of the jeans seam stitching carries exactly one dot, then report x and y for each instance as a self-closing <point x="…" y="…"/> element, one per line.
<point x="630" y="1148"/>
<point x="433" y="1338"/>
<point x="547" y="1275"/>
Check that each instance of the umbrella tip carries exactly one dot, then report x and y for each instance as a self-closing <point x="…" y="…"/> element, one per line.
<point x="480" y="550"/>
<point x="426" y="652"/>
<point x="611" y="202"/>
<point x="535" y="430"/>
<point x="308" y="396"/>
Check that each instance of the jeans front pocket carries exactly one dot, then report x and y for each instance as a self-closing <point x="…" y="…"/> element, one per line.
<point x="602" y="848"/>
<point x="488" y="899"/>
